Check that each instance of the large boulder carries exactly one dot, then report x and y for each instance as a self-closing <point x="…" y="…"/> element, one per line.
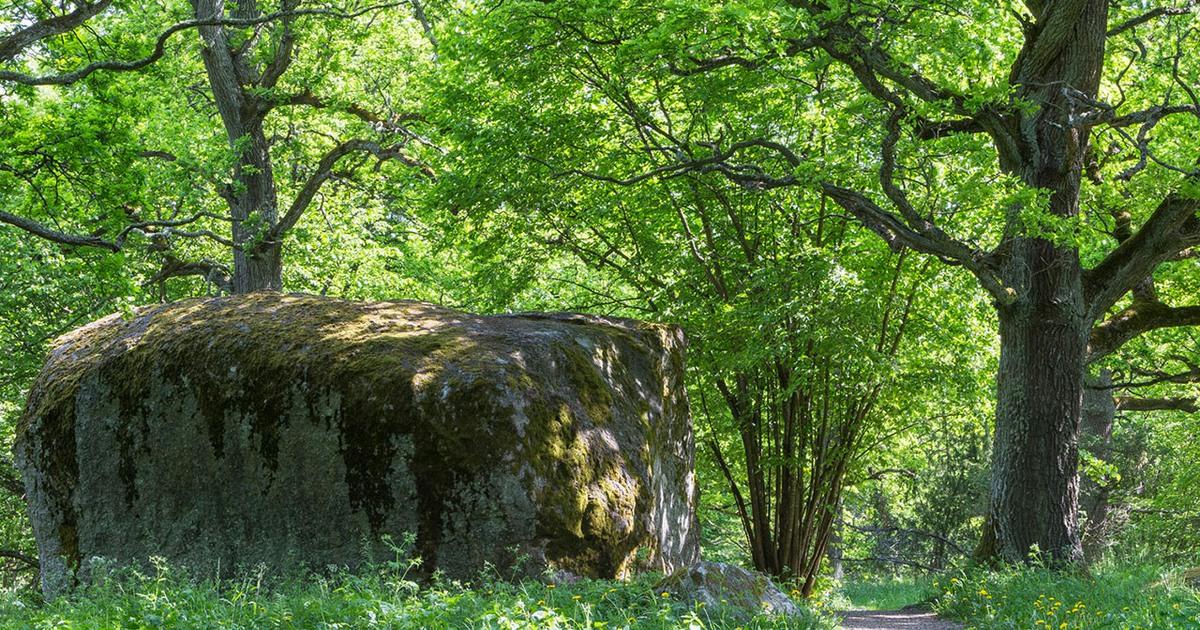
<point x="293" y="430"/>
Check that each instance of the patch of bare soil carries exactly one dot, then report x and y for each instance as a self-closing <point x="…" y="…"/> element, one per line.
<point x="906" y="619"/>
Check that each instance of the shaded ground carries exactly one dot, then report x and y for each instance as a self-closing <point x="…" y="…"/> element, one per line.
<point x="895" y="620"/>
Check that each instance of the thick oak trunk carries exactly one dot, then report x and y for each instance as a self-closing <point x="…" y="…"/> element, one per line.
<point x="1044" y="330"/>
<point x="1043" y="339"/>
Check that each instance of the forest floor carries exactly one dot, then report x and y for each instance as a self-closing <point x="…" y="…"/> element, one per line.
<point x="903" y="619"/>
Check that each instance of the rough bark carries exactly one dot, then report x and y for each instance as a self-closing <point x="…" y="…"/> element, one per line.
<point x="1044" y="331"/>
<point x="253" y="200"/>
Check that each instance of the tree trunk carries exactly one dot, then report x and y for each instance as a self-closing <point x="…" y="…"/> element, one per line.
<point x="1043" y="338"/>
<point x="252" y="198"/>
<point x="1044" y="330"/>
<point x="1099" y="413"/>
<point x="834" y="549"/>
<point x="257" y="261"/>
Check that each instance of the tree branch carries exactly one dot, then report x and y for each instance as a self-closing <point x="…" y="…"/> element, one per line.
<point x="13" y="44"/>
<point x="390" y="123"/>
<point x="29" y="561"/>
<point x="1138" y="318"/>
<point x="896" y="233"/>
<point x="1191" y="374"/>
<point x="214" y="272"/>
<point x="50" y="234"/>
<point x="1152" y="14"/>
<point x="1129" y="403"/>
<point x="325" y="171"/>
<point x="161" y="43"/>
<point x="282" y="59"/>
<point x="10" y="480"/>
<point x="1172" y="228"/>
<point x="934" y="129"/>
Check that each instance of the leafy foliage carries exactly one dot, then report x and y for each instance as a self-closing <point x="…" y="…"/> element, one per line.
<point x="1117" y="597"/>
<point x="380" y="597"/>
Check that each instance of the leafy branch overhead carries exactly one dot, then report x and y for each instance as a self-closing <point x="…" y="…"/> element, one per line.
<point x="247" y="53"/>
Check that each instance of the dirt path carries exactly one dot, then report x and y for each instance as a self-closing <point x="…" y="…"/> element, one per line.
<point x="907" y="619"/>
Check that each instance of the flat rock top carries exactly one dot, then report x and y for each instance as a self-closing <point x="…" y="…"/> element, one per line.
<point x="282" y="334"/>
<point x="895" y="620"/>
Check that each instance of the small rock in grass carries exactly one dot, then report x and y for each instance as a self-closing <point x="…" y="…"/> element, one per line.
<point x="1191" y="578"/>
<point x="716" y="584"/>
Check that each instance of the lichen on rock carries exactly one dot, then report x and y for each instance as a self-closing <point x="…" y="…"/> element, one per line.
<point x="720" y="585"/>
<point x="278" y="429"/>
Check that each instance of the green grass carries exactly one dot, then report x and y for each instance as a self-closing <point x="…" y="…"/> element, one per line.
<point x="886" y="593"/>
<point x="378" y="599"/>
<point x="1117" y="598"/>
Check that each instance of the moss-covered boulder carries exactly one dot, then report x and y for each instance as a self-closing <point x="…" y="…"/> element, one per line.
<point x="718" y="585"/>
<point x="293" y="430"/>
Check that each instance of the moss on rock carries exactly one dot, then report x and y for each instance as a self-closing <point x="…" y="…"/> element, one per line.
<point x="252" y="428"/>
